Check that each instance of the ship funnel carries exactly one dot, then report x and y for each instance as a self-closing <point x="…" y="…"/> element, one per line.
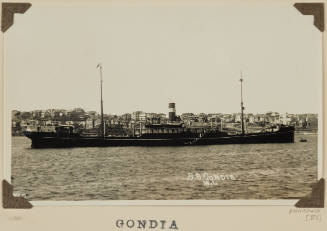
<point x="172" y="112"/>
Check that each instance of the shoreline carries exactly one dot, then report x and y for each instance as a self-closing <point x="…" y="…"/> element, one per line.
<point x="304" y="132"/>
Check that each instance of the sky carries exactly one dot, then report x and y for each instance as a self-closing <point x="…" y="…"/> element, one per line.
<point x="153" y="54"/>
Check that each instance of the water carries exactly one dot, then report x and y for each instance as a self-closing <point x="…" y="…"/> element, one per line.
<point x="261" y="171"/>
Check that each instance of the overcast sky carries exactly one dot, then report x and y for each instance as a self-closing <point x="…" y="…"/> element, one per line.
<point x="153" y="54"/>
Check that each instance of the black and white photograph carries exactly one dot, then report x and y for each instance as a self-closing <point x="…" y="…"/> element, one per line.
<point x="203" y="103"/>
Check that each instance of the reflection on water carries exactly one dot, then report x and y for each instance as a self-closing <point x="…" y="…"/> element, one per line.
<point x="261" y="171"/>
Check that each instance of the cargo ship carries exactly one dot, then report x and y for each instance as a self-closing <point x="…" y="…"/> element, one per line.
<point x="172" y="133"/>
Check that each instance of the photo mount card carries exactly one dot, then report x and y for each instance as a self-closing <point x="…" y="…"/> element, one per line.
<point x="148" y="103"/>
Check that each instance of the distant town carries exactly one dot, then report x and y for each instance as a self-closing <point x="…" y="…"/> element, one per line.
<point x="46" y="120"/>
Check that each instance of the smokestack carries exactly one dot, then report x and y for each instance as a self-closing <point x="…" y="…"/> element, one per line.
<point x="172" y="112"/>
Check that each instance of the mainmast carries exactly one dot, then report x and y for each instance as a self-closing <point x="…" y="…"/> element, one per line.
<point x="101" y="81"/>
<point x="242" y="105"/>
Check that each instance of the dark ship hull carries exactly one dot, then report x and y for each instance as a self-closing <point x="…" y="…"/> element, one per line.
<point x="53" y="140"/>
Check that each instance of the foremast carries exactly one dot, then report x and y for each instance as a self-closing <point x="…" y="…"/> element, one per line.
<point x="102" y="130"/>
